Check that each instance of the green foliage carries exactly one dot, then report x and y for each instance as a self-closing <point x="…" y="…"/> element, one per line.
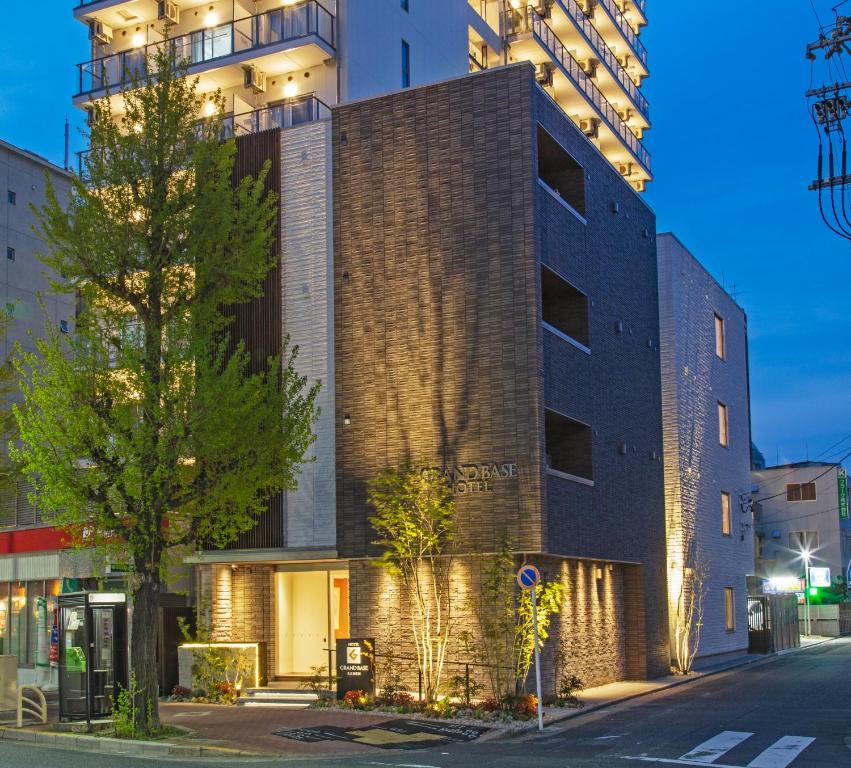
<point x="568" y="687"/>
<point x="151" y="429"/>
<point x="464" y="689"/>
<point x="415" y="520"/>
<point x="124" y="721"/>
<point x="318" y="681"/>
<point x="504" y="616"/>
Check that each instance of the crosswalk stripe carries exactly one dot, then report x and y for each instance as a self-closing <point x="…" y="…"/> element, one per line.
<point x="709" y="751"/>
<point x="782" y="752"/>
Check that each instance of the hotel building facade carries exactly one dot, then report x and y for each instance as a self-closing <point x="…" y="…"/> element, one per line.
<point x="467" y="267"/>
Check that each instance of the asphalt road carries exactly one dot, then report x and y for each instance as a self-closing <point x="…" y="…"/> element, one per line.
<point x="795" y="712"/>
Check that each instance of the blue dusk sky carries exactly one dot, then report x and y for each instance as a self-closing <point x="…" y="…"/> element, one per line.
<point x="733" y="151"/>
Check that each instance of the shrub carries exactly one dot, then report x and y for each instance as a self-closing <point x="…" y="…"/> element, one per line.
<point x="569" y="686"/>
<point x="355" y="699"/>
<point x="491" y="704"/>
<point x="180" y="692"/>
<point x="525" y="705"/>
<point x="318" y="681"/>
<point x="440" y="708"/>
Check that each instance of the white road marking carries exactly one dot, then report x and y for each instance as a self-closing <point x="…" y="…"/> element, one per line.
<point x="778" y="755"/>
<point x="711" y="750"/>
<point x="782" y="752"/>
<point x="405" y="765"/>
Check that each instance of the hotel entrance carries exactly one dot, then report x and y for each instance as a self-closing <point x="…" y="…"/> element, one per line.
<point x="312" y="609"/>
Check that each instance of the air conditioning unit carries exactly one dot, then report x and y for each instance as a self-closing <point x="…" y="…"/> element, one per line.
<point x="544" y="73"/>
<point x="255" y="79"/>
<point x="640" y="185"/>
<point x="100" y="32"/>
<point x="90" y="116"/>
<point x="588" y="6"/>
<point x="625" y="114"/>
<point x="624" y="60"/>
<point x="625" y="169"/>
<point x="544" y="8"/>
<point x="590" y="126"/>
<point x="168" y="11"/>
<point x="589" y="66"/>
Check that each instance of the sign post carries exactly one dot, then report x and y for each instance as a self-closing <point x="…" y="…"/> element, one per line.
<point x="528" y="577"/>
<point x="355" y="666"/>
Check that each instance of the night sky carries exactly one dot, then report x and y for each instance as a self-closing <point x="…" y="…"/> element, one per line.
<point x="733" y="151"/>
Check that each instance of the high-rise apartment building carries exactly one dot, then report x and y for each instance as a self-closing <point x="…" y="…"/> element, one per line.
<point x="467" y="267"/>
<point x="281" y="62"/>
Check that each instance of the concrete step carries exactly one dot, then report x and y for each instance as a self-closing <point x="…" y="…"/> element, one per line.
<point x="276" y="697"/>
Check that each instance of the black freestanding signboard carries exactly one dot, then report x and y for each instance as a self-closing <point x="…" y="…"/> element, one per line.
<point x="355" y="666"/>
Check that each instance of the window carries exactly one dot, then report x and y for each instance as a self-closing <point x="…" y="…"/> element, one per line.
<point x="729" y="610"/>
<point x="803" y="541"/>
<point x="568" y="445"/>
<point x="63" y="326"/>
<point x="405" y="5"/>
<point x="18" y="621"/>
<point x="564" y="308"/>
<point x="560" y="173"/>
<point x="725" y="513"/>
<point x="723" y="425"/>
<point x="406" y="64"/>
<point x="800" y="491"/>
<point x="12" y="197"/>
<point x="10" y="253"/>
<point x="720" y="341"/>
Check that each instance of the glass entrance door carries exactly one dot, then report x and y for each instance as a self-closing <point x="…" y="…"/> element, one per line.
<point x="312" y="611"/>
<point x="103" y="663"/>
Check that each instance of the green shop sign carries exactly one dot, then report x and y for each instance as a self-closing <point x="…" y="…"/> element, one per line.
<point x="842" y="480"/>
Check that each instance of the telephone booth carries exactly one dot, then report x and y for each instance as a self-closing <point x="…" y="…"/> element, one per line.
<point x="92" y="653"/>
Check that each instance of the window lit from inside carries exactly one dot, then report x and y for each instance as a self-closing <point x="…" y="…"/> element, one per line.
<point x="726" y="524"/>
<point x="720" y="341"/>
<point x="560" y="173"/>
<point x="563" y="307"/>
<point x="723" y="425"/>
<point x="800" y="492"/>
<point x="729" y="610"/>
<point x="568" y="445"/>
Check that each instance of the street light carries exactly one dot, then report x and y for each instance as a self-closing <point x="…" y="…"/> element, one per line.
<point x="805" y="556"/>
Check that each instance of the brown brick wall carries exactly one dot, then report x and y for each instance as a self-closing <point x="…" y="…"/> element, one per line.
<point x="434" y="278"/>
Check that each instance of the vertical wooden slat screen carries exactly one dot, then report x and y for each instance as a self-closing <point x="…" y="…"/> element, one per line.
<point x="259" y="323"/>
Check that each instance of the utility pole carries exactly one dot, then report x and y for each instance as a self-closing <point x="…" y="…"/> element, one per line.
<point x="807" y="593"/>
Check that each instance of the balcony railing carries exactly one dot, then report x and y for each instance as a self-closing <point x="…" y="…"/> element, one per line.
<point x="287" y="114"/>
<point x="547" y="38"/>
<point x="290" y="23"/>
<point x="626" y="29"/>
<point x="571" y="7"/>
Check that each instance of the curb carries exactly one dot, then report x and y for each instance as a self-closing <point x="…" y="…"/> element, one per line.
<point x="107" y="745"/>
<point x="746" y="662"/>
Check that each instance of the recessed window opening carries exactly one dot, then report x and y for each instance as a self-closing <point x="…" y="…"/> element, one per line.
<point x="568" y="445"/>
<point x="726" y="523"/>
<point x="12" y="197"/>
<point x="560" y="172"/>
<point x="564" y="307"/>
<point x="800" y="492"/>
<point x="720" y="341"/>
<point x="723" y="425"/>
<point x="406" y="64"/>
<point x="729" y="610"/>
<point x="10" y="253"/>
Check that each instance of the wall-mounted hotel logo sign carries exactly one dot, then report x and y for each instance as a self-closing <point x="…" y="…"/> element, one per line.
<point x="478" y="478"/>
<point x="355" y="666"/>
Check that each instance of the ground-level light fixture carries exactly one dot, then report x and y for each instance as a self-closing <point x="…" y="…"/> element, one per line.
<point x="347" y="419"/>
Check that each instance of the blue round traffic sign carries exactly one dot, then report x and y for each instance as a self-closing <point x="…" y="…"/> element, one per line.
<point x="528" y="576"/>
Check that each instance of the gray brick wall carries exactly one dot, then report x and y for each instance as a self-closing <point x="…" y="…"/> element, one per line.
<point x="697" y="467"/>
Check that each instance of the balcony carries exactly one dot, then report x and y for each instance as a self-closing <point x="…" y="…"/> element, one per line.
<point x="286" y="114"/>
<point x="305" y="31"/>
<point x="612" y="22"/>
<point x="574" y="17"/>
<point x="580" y="98"/>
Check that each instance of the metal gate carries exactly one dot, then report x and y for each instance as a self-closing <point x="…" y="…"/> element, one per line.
<point x="759" y="624"/>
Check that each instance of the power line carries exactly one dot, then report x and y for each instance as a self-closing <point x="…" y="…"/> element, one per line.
<point x="830" y="468"/>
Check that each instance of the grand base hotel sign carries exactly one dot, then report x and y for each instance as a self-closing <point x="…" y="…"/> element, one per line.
<point x="355" y="666"/>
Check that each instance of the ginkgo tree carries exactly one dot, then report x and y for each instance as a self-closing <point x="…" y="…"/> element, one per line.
<point x="149" y="430"/>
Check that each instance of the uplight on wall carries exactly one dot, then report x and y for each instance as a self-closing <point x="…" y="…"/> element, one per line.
<point x="138" y="38"/>
<point x="212" y="18"/>
<point x="291" y="90"/>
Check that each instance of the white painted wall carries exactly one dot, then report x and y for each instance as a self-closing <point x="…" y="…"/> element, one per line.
<point x="697" y="467"/>
<point x="777" y="518"/>
<point x="370" y="44"/>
